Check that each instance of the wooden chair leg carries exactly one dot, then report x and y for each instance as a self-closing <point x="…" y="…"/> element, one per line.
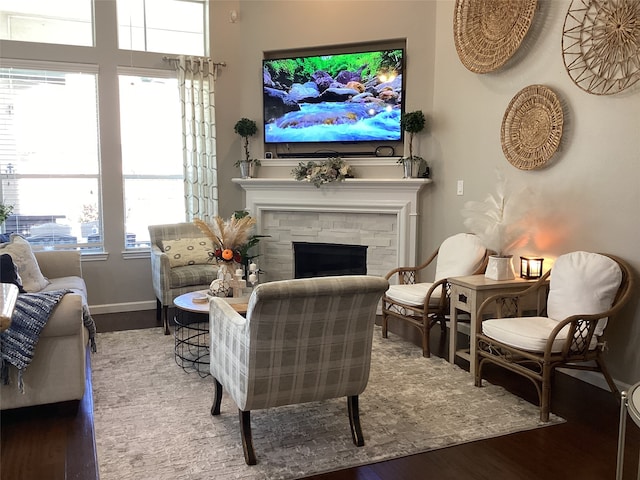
<point x="165" y="319"/>
<point x="478" y="372"/>
<point x="158" y="310"/>
<point x="426" y="350"/>
<point x="247" y="440"/>
<point x="217" y="398"/>
<point x="385" y="325"/>
<point x="545" y="394"/>
<point x="354" y="420"/>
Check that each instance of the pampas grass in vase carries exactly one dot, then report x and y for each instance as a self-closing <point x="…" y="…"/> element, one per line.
<point x="500" y="222"/>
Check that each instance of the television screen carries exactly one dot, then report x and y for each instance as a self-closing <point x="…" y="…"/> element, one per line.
<point x="349" y="97"/>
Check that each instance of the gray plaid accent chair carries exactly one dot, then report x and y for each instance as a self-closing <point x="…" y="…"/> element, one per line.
<point x="302" y="340"/>
<point x="170" y="281"/>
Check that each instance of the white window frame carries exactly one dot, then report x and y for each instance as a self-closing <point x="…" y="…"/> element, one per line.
<point x="108" y="58"/>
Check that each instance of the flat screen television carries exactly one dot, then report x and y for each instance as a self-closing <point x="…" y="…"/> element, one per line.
<point x="338" y="98"/>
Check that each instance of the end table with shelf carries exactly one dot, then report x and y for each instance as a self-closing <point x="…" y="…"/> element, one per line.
<point x="467" y="294"/>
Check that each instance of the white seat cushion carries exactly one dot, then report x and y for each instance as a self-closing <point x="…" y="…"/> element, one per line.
<point x="583" y="283"/>
<point x="526" y="333"/>
<point x="413" y="294"/>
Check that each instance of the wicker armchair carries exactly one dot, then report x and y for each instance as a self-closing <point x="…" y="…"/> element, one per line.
<point x="170" y="281"/>
<point x="302" y="340"/>
<point x="585" y="291"/>
<point x="423" y="305"/>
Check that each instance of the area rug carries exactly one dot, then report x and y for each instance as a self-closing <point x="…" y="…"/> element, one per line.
<point x="152" y="419"/>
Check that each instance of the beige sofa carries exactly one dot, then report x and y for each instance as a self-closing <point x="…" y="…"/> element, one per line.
<point x="57" y="372"/>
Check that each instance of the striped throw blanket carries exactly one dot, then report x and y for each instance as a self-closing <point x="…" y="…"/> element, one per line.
<point x="18" y="342"/>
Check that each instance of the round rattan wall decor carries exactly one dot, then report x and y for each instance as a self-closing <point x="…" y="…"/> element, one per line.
<point x="488" y="32"/>
<point x="532" y="127"/>
<point x="601" y="45"/>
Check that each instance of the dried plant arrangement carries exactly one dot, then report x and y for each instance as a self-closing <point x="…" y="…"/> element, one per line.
<point x="501" y="219"/>
<point x="229" y="237"/>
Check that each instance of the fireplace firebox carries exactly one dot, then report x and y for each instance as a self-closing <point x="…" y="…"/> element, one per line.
<point x="328" y="259"/>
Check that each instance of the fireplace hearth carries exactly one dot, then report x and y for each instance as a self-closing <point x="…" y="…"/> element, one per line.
<point x="313" y="259"/>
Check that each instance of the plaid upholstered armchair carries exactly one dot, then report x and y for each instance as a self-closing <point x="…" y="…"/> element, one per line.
<point x="179" y="264"/>
<point x="302" y="340"/>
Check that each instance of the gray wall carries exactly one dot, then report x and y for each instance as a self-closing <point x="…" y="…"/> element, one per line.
<point x="587" y="198"/>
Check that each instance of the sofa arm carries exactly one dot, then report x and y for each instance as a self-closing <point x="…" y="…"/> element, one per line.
<point x="160" y="275"/>
<point x="59" y="263"/>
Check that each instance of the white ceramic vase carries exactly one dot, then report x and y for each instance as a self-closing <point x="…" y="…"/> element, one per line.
<point x="500" y="268"/>
<point x="221" y="286"/>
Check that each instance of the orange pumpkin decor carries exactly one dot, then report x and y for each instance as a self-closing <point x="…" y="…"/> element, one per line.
<point x="227" y="254"/>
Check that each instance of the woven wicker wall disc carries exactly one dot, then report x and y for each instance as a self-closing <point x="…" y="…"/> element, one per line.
<point x="601" y="45"/>
<point x="532" y="127"/>
<point x="488" y="32"/>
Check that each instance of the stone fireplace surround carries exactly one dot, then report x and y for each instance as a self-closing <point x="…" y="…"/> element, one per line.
<point x="380" y="213"/>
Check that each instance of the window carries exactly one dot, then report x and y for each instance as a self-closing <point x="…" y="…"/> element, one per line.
<point x="151" y="135"/>
<point x="90" y="155"/>
<point x="68" y="22"/>
<point x="49" y="130"/>
<point x="169" y="26"/>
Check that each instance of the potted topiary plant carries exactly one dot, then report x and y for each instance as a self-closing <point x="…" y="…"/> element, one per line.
<point x="246" y="128"/>
<point x="412" y="123"/>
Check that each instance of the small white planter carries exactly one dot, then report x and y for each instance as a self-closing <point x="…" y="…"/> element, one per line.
<point x="407" y="167"/>
<point x="500" y="268"/>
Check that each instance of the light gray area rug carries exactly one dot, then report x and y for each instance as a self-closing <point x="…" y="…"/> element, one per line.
<point x="153" y="420"/>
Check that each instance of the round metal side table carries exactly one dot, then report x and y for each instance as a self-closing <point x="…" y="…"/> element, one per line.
<point x="630" y="404"/>
<point x="191" y="332"/>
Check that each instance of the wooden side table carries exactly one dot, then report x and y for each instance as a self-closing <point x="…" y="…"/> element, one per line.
<point x="630" y="403"/>
<point x="467" y="294"/>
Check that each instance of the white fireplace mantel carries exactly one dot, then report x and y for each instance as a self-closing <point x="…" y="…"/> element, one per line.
<point x="399" y="197"/>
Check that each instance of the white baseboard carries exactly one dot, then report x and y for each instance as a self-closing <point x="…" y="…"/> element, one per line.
<point x="594" y="378"/>
<point x="122" y="307"/>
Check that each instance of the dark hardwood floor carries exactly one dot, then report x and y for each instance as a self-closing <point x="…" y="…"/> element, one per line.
<point x="57" y="441"/>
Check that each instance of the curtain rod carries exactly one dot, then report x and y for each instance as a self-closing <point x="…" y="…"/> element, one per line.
<point x="174" y="59"/>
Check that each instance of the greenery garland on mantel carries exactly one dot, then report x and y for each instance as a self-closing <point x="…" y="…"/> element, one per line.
<point x="333" y="169"/>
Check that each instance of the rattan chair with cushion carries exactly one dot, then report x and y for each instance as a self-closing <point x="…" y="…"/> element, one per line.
<point x="424" y="304"/>
<point x="180" y="263"/>
<point x="585" y="291"/>
<point x="302" y="340"/>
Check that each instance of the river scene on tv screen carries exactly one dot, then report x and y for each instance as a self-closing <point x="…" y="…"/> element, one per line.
<point x="351" y="97"/>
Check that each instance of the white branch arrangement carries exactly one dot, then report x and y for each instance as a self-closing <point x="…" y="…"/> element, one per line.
<point x="501" y="219"/>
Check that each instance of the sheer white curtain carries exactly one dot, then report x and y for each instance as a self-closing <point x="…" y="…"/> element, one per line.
<point x="196" y="82"/>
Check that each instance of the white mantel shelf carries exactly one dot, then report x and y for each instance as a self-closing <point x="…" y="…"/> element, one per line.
<point x="411" y="183"/>
<point x="397" y="196"/>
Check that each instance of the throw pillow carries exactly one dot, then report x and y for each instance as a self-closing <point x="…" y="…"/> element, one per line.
<point x="25" y="262"/>
<point x="187" y="251"/>
<point x="8" y="272"/>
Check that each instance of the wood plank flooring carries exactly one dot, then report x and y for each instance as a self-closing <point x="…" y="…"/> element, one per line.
<point x="57" y="441"/>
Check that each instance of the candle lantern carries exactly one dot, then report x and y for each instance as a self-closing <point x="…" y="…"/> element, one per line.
<point x="531" y="267"/>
